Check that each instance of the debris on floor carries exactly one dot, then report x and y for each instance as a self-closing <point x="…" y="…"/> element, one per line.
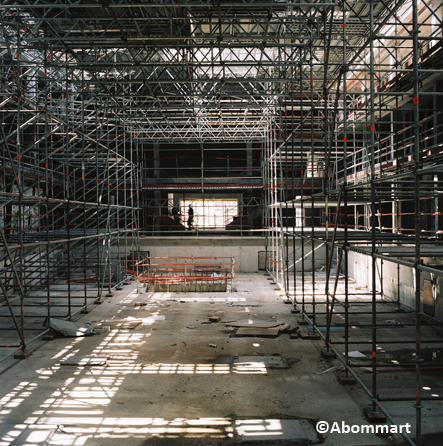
<point x="289" y="329"/>
<point x="331" y="369"/>
<point x="69" y="328"/>
<point x="254" y="323"/>
<point x="215" y="319"/>
<point x="356" y="354"/>
<point x="257" y="331"/>
<point x="129" y="325"/>
<point x="243" y="304"/>
<point x="241" y="363"/>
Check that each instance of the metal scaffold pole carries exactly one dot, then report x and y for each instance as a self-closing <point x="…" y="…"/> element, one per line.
<point x="417" y="221"/>
<point x="318" y="122"/>
<point x="373" y="218"/>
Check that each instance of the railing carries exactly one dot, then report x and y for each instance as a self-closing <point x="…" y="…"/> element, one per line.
<point x="186" y="273"/>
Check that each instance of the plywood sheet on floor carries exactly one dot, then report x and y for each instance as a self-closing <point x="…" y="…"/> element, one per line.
<point x="255" y="323"/>
<point x="253" y="331"/>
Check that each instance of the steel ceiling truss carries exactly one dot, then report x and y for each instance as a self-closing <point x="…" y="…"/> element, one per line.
<point x="173" y="72"/>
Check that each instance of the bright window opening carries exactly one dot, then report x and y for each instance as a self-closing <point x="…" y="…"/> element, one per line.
<point x="209" y="214"/>
<point x="298" y="217"/>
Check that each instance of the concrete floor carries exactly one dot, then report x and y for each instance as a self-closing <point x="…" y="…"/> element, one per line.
<point x="158" y="382"/>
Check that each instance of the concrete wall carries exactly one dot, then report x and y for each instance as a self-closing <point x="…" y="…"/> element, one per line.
<point x="243" y="249"/>
<point x="360" y="269"/>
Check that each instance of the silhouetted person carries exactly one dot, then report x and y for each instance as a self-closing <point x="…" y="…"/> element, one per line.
<point x="190" y="217"/>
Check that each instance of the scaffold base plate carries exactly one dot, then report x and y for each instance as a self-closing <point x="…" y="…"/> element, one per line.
<point x="325" y="354"/>
<point x="345" y="380"/>
<point x="85" y="311"/>
<point x="23" y="355"/>
<point x="374" y="416"/>
<point x="311" y="336"/>
<point x="48" y="337"/>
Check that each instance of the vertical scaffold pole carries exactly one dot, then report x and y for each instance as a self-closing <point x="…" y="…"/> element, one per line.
<point x="373" y="198"/>
<point x="417" y="219"/>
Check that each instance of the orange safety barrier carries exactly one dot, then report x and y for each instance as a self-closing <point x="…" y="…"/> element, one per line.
<point x="194" y="258"/>
<point x="179" y="272"/>
<point x="184" y="264"/>
<point x="189" y="270"/>
<point x="185" y="279"/>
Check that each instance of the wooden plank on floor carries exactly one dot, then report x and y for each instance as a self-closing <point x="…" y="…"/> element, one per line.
<point x="253" y="331"/>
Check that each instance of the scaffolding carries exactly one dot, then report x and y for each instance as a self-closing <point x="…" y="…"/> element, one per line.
<point x="321" y="117"/>
<point x="353" y="187"/>
<point x="69" y="193"/>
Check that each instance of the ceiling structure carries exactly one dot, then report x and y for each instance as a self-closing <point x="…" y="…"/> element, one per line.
<point x="192" y="71"/>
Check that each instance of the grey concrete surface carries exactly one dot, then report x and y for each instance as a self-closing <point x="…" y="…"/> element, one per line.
<point x="244" y="249"/>
<point x="163" y="384"/>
